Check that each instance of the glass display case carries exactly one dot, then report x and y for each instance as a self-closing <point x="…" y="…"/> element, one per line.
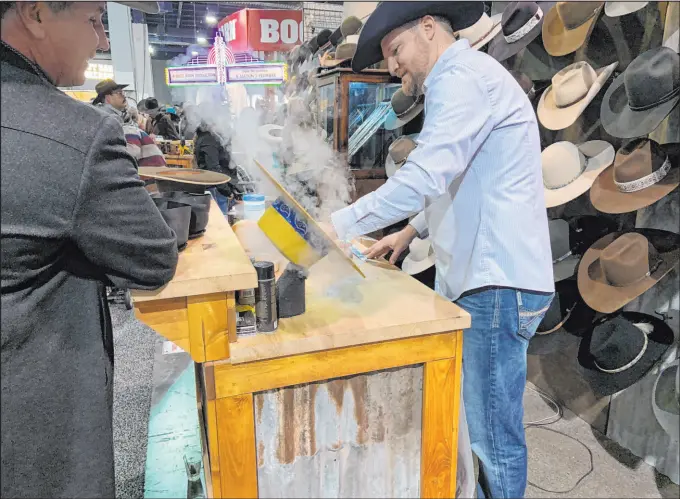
<point x="350" y="108"/>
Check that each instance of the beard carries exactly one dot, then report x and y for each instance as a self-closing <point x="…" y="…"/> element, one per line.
<point x="415" y="86"/>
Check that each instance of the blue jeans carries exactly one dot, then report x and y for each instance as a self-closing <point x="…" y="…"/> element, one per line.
<point x="494" y="376"/>
<point x="222" y="201"/>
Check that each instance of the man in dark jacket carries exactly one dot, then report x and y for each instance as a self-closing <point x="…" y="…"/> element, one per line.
<point x="212" y="155"/>
<point x="75" y="218"/>
<point x="161" y="123"/>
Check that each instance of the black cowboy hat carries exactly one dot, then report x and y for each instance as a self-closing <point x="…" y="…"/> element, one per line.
<point x="178" y="217"/>
<point x="388" y="16"/>
<point x="640" y="98"/>
<point x="567" y="317"/>
<point x="621" y="348"/>
<point x="521" y="24"/>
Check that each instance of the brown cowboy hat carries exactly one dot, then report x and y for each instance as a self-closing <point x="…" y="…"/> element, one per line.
<point x="567" y="25"/>
<point x="641" y="175"/>
<point x="622" y="265"/>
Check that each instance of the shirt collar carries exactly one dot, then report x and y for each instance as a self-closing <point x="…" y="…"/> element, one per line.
<point x="15" y="58"/>
<point x="442" y="62"/>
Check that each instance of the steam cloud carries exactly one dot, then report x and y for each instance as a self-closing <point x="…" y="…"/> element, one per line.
<point x="318" y="177"/>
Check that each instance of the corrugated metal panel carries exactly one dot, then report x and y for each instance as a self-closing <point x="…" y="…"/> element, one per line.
<point x="349" y="437"/>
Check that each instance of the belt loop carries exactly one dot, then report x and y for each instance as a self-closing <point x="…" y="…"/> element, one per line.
<point x="519" y="297"/>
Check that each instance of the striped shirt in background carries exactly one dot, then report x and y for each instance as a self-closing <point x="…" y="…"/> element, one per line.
<point x="142" y="147"/>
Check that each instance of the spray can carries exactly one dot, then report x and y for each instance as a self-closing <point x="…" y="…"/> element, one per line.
<point x="265" y="298"/>
<point x="246" y="324"/>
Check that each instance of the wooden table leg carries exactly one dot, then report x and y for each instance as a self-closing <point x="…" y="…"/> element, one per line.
<point x="441" y="403"/>
<point x="237" y="448"/>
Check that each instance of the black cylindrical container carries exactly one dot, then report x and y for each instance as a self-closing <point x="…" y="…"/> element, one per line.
<point x="265" y="298"/>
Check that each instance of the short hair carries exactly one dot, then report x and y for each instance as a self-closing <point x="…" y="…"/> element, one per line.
<point x="443" y="22"/>
<point x="5" y="7"/>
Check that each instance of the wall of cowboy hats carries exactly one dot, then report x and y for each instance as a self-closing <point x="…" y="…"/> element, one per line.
<point x="607" y="73"/>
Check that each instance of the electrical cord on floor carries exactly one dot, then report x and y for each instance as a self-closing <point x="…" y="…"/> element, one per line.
<point x="541" y="424"/>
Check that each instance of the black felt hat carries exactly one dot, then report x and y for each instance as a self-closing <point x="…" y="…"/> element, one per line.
<point x="521" y="24"/>
<point x="178" y="217"/>
<point x="389" y="16"/>
<point x="638" y="100"/>
<point x="621" y="348"/>
<point x="567" y="317"/>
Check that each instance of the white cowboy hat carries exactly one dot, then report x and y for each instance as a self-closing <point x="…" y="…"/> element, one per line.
<point x="483" y="31"/>
<point x="666" y="399"/>
<point x="618" y="9"/>
<point x="271" y="133"/>
<point x="570" y="170"/>
<point x="420" y="257"/>
<point x="572" y="89"/>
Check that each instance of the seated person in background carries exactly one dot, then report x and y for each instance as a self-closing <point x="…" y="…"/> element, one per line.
<point x="211" y="154"/>
<point x="139" y="144"/>
<point x="160" y="123"/>
<point x="111" y="100"/>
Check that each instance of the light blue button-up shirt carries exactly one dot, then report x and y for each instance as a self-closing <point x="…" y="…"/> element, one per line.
<point x="479" y="149"/>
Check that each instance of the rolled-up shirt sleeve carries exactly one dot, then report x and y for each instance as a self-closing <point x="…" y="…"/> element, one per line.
<point x="458" y="118"/>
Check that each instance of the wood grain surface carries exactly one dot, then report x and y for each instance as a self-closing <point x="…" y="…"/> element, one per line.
<point x="345" y="310"/>
<point x="233" y="379"/>
<point x="236" y="436"/>
<point x="440" y="429"/>
<point x="213" y="263"/>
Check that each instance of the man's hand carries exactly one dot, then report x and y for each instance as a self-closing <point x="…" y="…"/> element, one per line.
<point x="396" y="243"/>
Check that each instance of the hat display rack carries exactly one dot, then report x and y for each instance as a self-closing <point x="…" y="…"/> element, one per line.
<point x="604" y="80"/>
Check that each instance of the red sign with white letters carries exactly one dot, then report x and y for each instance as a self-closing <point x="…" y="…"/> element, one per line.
<point x="265" y="30"/>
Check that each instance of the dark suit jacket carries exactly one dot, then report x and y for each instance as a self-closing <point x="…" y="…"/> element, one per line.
<point x="75" y="217"/>
<point x="212" y="155"/>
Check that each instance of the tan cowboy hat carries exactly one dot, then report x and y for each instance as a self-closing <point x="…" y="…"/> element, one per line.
<point x="184" y="178"/>
<point x="572" y="89"/>
<point x="618" y="9"/>
<point x="344" y="52"/>
<point x="622" y="265"/>
<point x="641" y="175"/>
<point x="404" y="109"/>
<point x="146" y="7"/>
<point x="420" y="257"/>
<point x="570" y="170"/>
<point x="398" y="153"/>
<point x="483" y="31"/>
<point x="567" y="25"/>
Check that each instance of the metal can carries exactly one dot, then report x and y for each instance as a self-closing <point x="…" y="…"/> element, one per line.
<point x="265" y="298"/>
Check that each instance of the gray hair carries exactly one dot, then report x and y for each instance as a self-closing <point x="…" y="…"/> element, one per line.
<point x="54" y="7"/>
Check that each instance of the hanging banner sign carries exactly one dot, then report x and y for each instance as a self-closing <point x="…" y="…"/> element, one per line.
<point x="98" y="71"/>
<point x="248" y="74"/>
<point x="264" y="74"/>
<point x="191" y="75"/>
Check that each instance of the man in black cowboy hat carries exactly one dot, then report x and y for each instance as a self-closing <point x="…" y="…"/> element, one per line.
<point x="480" y="149"/>
<point x="160" y="124"/>
<point x="75" y="218"/>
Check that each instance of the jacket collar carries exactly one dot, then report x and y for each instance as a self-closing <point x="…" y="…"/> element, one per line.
<point x="15" y="58"/>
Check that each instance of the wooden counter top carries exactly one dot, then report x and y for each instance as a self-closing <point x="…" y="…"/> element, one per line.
<point x="344" y="309"/>
<point x="213" y="263"/>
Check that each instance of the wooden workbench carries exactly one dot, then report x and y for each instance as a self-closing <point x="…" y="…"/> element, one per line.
<point x="182" y="161"/>
<point x="352" y="326"/>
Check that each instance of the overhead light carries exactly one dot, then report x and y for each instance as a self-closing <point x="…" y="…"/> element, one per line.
<point x="194" y="53"/>
<point x="210" y="19"/>
<point x="201" y="39"/>
<point x="151" y="49"/>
